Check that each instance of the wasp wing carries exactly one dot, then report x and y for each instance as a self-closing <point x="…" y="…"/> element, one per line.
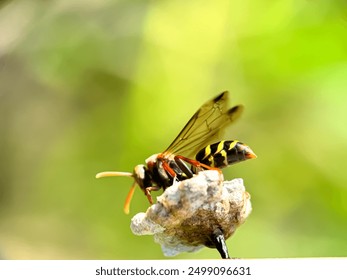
<point x="204" y="126"/>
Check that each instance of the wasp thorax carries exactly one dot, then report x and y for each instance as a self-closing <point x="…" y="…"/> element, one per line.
<point x="152" y="159"/>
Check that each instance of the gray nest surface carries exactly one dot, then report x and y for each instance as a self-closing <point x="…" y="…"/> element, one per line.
<point x="189" y="213"/>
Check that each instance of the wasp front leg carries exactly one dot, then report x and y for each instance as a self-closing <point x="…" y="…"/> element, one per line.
<point x="148" y="192"/>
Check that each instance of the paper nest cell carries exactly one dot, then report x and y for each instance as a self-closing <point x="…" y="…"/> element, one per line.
<point x="187" y="213"/>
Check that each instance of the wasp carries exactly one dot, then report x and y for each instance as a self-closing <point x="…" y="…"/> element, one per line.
<point x="163" y="169"/>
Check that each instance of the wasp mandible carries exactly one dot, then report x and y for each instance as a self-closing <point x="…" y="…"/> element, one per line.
<point x="163" y="169"/>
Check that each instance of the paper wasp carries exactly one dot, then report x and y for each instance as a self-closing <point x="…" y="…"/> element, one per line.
<point x="163" y="169"/>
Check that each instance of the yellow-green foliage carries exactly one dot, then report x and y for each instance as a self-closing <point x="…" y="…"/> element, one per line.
<point x="88" y="86"/>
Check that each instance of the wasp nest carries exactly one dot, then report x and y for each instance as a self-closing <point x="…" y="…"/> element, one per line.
<point x="202" y="211"/>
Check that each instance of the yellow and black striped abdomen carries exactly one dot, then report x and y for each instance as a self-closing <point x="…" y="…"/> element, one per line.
<point x="224" y="153"/>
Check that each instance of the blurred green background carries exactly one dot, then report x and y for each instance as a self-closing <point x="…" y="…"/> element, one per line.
<point x="89" y="86"/>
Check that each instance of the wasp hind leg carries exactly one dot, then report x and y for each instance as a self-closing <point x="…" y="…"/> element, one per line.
<point x="185" y="171"/>
<point x="197" y="165"/>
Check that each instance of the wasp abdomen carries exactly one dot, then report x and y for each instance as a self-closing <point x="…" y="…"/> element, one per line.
<point x="224" y="153"/>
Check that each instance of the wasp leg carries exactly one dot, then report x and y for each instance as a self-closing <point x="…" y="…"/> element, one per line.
<point x="168" y="169"/>
<point x="172" y="170"/>
<point x="148" y="192"/>
<point x="219" y="241"/>
<point x="167" y="175"/>
<point x="198" y="164"/>
<point x="183" y="167"/>
<point x="180" y="175"/>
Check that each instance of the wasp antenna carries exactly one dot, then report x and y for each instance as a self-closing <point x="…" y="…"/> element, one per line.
<point x="112" y="174"/>
<point x="126" y="207"/>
